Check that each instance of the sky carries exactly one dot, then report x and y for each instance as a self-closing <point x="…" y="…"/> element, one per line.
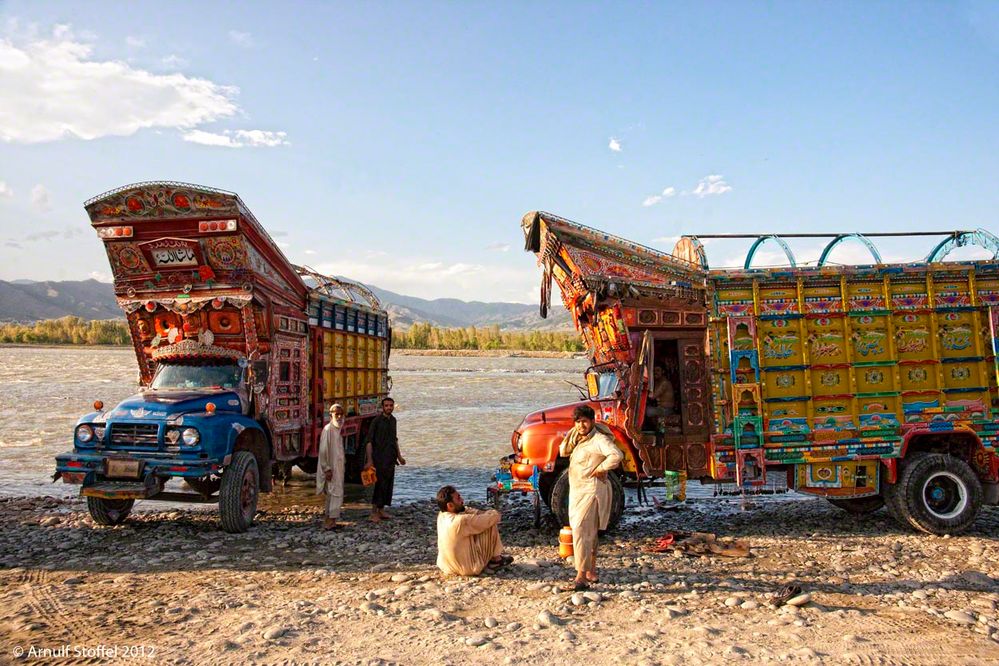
<point x="400" y="143"/>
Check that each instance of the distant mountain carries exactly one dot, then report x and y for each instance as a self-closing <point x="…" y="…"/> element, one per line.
<point x="24" y="300"/>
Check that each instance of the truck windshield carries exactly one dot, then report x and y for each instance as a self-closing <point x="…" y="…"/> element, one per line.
<point x="173" y="376"/>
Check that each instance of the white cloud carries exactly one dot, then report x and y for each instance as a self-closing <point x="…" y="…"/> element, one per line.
<point x="668" y="193"/>
<point x="5" y="191"/>
<point x="614" y="144"/>
<point x="40" y="198"/>
<point x="438" y="279"/>
<point x="53" y="89"/>
<point x="499" y="247"/>
<point x="310" y="252"/>
<point x="243" y="39"/>
<point x="100" y="277"/>
<point x="135" y="42"/>
<point x="711" y="186"/>
<point x="173" y="61"/>
<point x="238" y="138"/>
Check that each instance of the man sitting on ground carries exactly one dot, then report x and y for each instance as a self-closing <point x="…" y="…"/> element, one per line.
<point x="467" y="539"/>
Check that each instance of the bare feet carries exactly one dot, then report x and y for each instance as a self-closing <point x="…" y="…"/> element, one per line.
<point x="329" y="524"/>
<point x="376" y="518"/>
<point x="591" y="576"/>
<point x="385" y="516"/>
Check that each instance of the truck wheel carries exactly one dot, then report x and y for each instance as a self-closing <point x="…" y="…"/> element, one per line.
<point x="559" y="503"/>
<point x="207" y="486"/>
<point x="109" y="511"/>
<point x="308" y="465"/>
<point x="938" y="493"/>
<point x="238" y="496"/>
<point x="858" y="505"/>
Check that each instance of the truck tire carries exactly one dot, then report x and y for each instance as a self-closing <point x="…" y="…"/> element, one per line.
<point x="938" y="493"/>
<point x="238" y="496"/>
<point x="207" y="486"/>
<point x="858" y="505"/>
<point x="559" y="503"/>
<point x="109" y="511"/>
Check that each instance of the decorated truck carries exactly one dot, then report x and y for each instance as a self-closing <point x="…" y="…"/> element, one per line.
<point x="240" y="356"/>
<point x="871" y="385"/>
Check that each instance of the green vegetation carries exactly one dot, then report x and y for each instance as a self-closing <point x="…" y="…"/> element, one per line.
<point x="76" y="331"/>
<point x="67" y="331"/>
<point x="426" y="336"/>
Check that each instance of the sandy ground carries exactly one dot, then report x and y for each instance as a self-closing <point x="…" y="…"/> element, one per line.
<point x="169" y="587"/>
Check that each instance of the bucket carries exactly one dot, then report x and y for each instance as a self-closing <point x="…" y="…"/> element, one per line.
<point x="565" y="542"/>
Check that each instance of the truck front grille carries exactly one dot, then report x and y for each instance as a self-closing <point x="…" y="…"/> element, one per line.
<point x="134" y="434"/>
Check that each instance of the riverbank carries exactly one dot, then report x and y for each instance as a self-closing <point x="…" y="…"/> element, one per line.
<point x="169" y="581"/>
<point x="488" y="353"/>
<point x="456" y="353"/>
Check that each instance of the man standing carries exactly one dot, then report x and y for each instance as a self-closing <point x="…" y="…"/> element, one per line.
<point x="592" y="454"/>
<point x="467" y="539"/>
<point x="382" y="449"/>
<point x="329" y="471"/>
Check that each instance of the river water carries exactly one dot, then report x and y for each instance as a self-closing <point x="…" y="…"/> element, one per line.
<point x="455" y="414"/>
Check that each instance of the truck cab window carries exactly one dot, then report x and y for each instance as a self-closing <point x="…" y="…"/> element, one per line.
<point x="181" y="376"/>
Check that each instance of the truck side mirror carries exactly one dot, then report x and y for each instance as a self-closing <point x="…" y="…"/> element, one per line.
<point x="258" y="376"/>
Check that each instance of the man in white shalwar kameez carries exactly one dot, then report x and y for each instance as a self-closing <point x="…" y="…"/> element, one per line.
<point x="329" y="471"/>
<point x="468" y="540"/>
<point x="592" y="454"/>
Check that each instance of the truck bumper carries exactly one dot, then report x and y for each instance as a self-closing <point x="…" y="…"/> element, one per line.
<point x="92" y="472"/>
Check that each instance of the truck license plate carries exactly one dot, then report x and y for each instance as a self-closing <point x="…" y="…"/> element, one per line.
<point x="123" y="469"/>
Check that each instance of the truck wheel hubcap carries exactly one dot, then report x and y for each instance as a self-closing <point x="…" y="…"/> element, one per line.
<point x="945" y="495"/>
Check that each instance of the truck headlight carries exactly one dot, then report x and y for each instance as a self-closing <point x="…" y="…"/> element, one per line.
<point x="191" y="437"/>
<point x="84" y="433"/>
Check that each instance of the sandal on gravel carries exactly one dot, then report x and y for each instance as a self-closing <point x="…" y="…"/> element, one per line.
<point x="506" y="560"/>
<point x="576" y="586"/>
<point x="789" y="591"/>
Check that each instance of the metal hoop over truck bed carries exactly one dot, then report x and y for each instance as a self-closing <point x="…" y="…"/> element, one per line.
<point x="845" y="376"/>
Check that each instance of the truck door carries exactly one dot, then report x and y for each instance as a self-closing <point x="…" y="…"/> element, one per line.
<point x="694" y="403"/>
<point x="637" y="397"/>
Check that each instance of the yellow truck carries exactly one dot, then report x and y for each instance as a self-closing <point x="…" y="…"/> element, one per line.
<point x="868" y="385"/>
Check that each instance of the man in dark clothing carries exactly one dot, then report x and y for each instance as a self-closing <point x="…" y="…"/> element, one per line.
<point x="382" y="446"/>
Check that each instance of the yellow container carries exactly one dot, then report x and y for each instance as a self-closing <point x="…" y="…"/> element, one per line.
<point x="340" y="343"/>
<point x="338" y="383"/>
<point x="957" y="334"/>
<point x="350" y="359"/>
<point x="348" y="387"/>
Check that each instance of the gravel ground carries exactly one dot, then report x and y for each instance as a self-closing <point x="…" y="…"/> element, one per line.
<point x="169" y="587"/>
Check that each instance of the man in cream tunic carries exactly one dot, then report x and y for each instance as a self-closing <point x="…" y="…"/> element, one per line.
<point x="468" y="540"/>
<point x="592" y="454"/>
<point x="329" y="471"/>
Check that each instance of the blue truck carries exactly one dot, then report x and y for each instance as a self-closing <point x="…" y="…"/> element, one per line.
<point x="240" y="355"/>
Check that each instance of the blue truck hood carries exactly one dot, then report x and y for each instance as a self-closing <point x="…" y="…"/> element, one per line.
<point x="163" y="404"/>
